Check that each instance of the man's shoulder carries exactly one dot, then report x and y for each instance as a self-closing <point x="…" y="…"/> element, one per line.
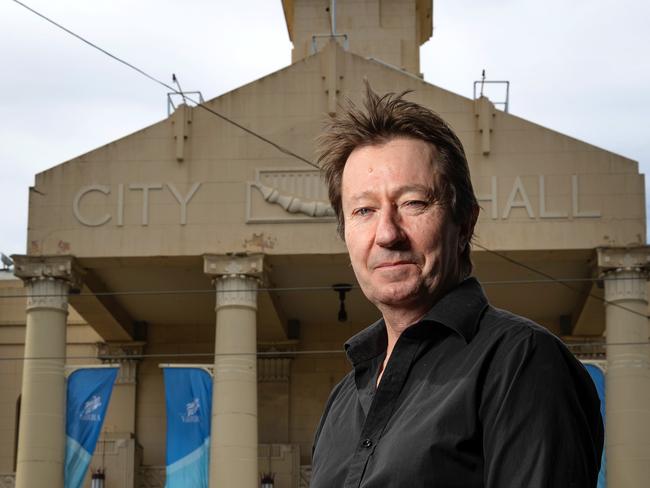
<point x="509" y="334"/>
<point x="510" y="341"/>
<point x="505" y="325"/>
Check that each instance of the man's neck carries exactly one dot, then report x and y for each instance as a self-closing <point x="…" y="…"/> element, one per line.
<point x="398" y="319"/>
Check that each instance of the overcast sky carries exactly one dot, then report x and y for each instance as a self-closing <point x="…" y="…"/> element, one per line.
<point x="580" y="67"/>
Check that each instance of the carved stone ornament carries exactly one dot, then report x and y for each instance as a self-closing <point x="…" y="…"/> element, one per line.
<point x="625" y="272"/>
<point x="47" y="293"/>
<point x="611" y="258"/>
<point x="288" y="195"/>
<point x="56" y="267"/>
<point x="251" y="265"/>
<point x="48" y="280"/>
<point x="294" y="204"/>
<point x="625" y="284"/>
<point x="236" y="290"/>
<point x="236" y="278"/>
<point x="121" y="353"/>
<point x="273" y="370"/>
<point x="274" y="363"/>
<point x="7" y="480"/>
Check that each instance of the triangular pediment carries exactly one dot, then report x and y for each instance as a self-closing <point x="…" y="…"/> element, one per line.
<point x="174" y="187"/>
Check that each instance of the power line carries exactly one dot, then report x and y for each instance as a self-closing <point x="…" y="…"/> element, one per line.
<point x="281" y="148"/>
<point x="564" y="283"/>
<point x="169" y="87"/>
<point x="210" y="291"/>
<point x="261" y="354"/>
<point x="525" y="266"/>
<point x="282" y="289"/>
<point x="174" y="355"/>
<point x="199" y="291"/>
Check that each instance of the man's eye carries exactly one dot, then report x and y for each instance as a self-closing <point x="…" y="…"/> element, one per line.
<point x="362" y="211"/>
<point x="416" y="204"/>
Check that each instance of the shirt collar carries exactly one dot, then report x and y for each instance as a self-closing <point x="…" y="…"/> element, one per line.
<point x="459" y="310"/>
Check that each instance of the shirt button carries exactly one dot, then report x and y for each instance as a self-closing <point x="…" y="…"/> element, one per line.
<point x="367" y="443"/>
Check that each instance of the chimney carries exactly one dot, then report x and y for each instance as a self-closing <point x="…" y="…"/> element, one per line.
<point x="390" y="31"/>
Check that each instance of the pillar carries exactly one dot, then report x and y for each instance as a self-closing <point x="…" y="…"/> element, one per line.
<point x="117" y="448"/>
<point x="274" y="376"/>
<point x="234" y="436"/>
<point x="41" y="441"/>
<point x="627" y="435"/>
<point x="120" y="417"/>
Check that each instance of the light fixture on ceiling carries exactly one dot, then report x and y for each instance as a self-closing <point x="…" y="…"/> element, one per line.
<point x="342" y="289"/>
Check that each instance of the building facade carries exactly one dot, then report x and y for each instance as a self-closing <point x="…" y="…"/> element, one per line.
<point x="192" y="241"/>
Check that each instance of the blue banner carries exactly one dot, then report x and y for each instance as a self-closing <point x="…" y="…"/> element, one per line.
<point x="598" y="377"/>
<point x="89" y="391"/>
<point x="188" y="393"/>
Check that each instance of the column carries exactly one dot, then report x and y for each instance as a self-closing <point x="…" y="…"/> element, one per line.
<point x="41" y="442"/>
<point x="273" y="386"/>
<point x="627" y="437"/>
<point x="117" y="447"/>
<point x="120" y="417"/>
<point x="234" y="437"/>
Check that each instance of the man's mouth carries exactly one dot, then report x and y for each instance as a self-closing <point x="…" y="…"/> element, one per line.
<point x="393" y="264"/>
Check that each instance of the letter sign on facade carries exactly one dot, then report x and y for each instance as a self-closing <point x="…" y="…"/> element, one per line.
<point x="77" y="200"/>
<point x="517" y="198"/>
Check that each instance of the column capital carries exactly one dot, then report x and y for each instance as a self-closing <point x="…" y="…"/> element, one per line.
<point x="248" y="265"/>
<point x="64" y="268"/>
<point x="127" y="357"/>
<point x="273" y="370"/>
<point x="276" y="366"/>
<point x="636" y="258"/>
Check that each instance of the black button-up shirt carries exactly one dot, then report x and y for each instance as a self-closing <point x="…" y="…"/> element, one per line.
<point x="472" y="396"/>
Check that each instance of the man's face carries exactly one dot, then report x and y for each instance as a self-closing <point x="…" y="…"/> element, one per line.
<point x="403" y="247"/>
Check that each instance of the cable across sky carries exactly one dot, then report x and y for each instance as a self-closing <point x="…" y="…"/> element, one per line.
<point x="170" y="87"/>
<point x="288" y="152"/>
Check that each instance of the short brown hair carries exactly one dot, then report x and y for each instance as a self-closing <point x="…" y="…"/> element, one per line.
<point x="386" y="117"/>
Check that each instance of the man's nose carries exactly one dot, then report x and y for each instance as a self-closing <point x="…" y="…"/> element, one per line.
<point x="389" y="231"/>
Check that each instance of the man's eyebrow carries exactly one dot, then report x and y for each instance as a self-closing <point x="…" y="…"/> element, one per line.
<point x="427" y="190"/>
<point x="362" y="195"/>
<point x="368" y="194"/>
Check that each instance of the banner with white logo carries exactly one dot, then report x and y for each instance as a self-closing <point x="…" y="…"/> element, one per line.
<point x="88" y="393"/>
<point x="188" y="393"/>
<point x="598" y="377"/>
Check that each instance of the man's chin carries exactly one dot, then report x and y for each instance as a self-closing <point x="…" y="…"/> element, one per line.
<point x="396" y="296"/>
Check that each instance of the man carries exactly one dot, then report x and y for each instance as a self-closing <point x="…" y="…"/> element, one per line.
<point x="446" y="391"/>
